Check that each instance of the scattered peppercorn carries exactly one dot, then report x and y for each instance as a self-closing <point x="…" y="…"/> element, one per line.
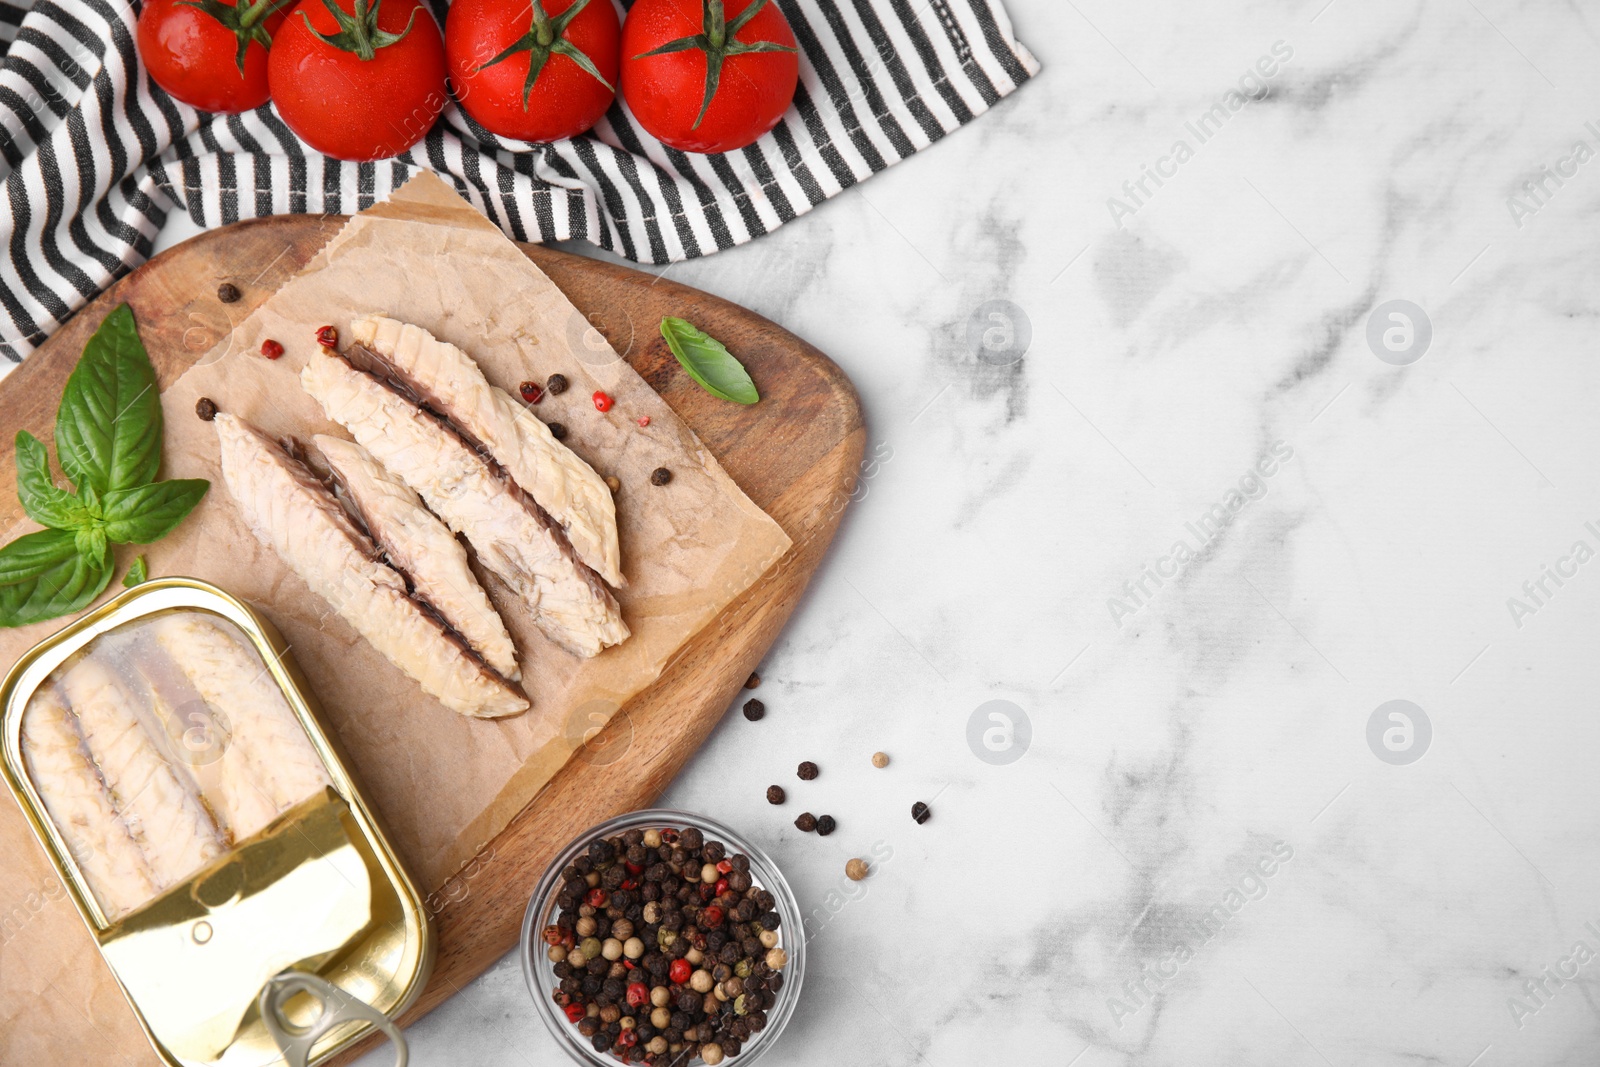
<point x="228" y="293"/>
<point x="808" y="771"/>
<point x="558" y="431"/>
<point x="775" y="794"/>
<point x="556" y="384"/>
<point x="612" y="483"/>
<point x="206" y="408"/>
<point x="660" y="476"/>
<point x="602" y="402"/>
<point x="644" y="420"/>
<point x="855" y="870"/>
<point x="806" y="823"/>
<point x="328" y="336"/>
<point x="674" y="951"/>
<point x="825" y="825"/>
<point x="754" y="710"/>
<point x="752" y="681"/>
<point x="531" y="392"/>
<point x="920" y="812"/>
<point x="880" y="759"/>
<point x="271" y="349"/>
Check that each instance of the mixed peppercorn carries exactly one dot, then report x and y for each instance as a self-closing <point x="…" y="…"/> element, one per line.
<point x="664" y="948"/>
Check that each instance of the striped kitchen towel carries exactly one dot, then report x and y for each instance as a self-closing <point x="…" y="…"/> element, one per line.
<point x="94" y="155"/>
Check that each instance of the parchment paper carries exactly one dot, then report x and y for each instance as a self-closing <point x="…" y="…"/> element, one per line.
<point x="445" y="784"/>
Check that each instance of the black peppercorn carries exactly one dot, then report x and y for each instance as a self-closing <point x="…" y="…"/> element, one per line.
<point x="808" y="771"/>
<point x="752" y="681"/>
<point x="919" y="812"/>
<point x="806" y="823"/>
<point x="206" y="408"/>
<point x="692" y="840"/>
<point x="775" y="794"/>
<point x="556" y="384"/>
<point x="558" y="431"/>
<point x="228" y="293"/>
<point x="825" y="825"/>
<point x="660" y="476"/>
<point x="754" y="710"/>
<point x="770" y="921"/>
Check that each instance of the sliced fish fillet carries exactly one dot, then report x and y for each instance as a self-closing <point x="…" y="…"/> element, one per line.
<point x="450" y="382"/>
<point x="514" y="537"/>
<point x="80" y="806"/>
<point x="268" y="765"/>
<point x="162" y="811"/>
<point x="422" y="548"/>
<point x="289" y="509"/>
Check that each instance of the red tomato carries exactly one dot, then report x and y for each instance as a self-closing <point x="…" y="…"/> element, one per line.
<point x="493" y="46"/>
<point x="369" y="87"/>
<point x="722" y="91"/>
<point x="194" y="52"/>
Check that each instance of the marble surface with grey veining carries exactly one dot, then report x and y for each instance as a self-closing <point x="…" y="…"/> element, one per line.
<point x="1197" y="502"/>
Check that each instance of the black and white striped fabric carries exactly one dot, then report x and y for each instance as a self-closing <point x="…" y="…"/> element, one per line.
<point x="94" y="155"/>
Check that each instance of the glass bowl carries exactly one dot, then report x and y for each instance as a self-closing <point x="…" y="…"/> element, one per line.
<point x="539" y="973"/>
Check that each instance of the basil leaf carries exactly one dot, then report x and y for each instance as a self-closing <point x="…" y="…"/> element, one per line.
<point x="46" y="503"/>
<point x="32" y="554"/>
<point x="709" y="362"/>
<point x="44" y="576"/>
<point x="108" y="428"/>
<point x="91" y="543"/>
<point x="150" y="512"/>
<point x="137" y="574"/>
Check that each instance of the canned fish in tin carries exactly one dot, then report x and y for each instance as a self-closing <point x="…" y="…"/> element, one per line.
<point x="168" y="756"/>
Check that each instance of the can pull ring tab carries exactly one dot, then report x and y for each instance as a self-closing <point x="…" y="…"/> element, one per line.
<point x="337" y="1006"/>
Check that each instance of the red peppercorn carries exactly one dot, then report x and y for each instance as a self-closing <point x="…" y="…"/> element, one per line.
<point x="271" y="349"/>
<point x="328" y="337"/>
<point x="596" y="898"/>
<point x="532" y="392"/>
<point x="680" y="971"/>
<point x="630" y="883"/>
<point x="575" y="1012"/>
<point x="711" y="916"/>
<point x="552" y="935"/>
<point x="670" y="836"/>
<point x="644" y="420"/>
<point x="628" y="1038"/>
<point x="602" y="402"/>
<point x="634" y="868"/>
<point x="638" y="994"/>
<point x="722" y="886"/>
<point x="725" y="866"/>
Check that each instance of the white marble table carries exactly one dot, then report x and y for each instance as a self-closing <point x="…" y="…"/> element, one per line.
<point x="1101" y="901"/>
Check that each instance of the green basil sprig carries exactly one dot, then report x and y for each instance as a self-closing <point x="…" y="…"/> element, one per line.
<point x="708" y="362"/>
<point x="108" y="437"/>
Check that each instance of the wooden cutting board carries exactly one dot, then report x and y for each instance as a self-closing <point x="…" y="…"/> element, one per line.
<point x="799" y="465"/>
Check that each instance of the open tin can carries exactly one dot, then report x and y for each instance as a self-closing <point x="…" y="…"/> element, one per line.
<point x="171" y="760"/>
